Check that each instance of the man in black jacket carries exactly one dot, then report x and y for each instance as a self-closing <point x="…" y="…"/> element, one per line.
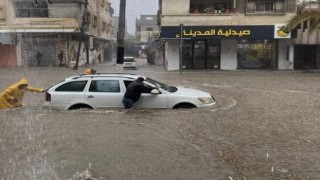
<point x="134" y="91"/>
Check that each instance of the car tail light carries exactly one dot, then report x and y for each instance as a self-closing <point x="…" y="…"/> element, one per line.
<point x="48" y="96"/>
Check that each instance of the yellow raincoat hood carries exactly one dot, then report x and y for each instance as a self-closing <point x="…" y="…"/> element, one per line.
<point x="23" y="81"/>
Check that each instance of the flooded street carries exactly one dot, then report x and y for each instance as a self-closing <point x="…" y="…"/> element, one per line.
<point x="265" y="125"/>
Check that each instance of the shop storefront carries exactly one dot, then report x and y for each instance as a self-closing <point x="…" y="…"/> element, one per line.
<point x="227" y="47"/>
<point x="201" y="54"/>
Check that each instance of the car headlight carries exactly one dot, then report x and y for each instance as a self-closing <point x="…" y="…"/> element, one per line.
<point x="205" y="100"/>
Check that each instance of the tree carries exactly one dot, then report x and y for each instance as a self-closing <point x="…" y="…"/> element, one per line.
<point x="82" y="29"/>
<point x="304" y="14"/>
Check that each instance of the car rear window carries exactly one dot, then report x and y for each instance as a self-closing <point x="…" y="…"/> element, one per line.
<point x="128" y="60"/>
<point x="75" y="86"/>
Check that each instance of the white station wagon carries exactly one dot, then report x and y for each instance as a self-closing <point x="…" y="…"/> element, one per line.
<point x="106" y="91"/>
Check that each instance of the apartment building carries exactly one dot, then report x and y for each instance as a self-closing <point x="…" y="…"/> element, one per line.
<point x="307" y="45"/>
<point x="39" y="33"/>
<point x="227" y="34"/>
<point x="147" y="28"/>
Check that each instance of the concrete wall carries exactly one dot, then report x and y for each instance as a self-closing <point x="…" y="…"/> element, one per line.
<point x="175" y="7"/>
<point x="228" y="54"/>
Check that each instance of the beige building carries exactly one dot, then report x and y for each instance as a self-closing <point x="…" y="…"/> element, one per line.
<point x="45" y="34"/>
<point x="307" y="45"/>
<point x="227" y="34"/>
<point x="147" y="28"/>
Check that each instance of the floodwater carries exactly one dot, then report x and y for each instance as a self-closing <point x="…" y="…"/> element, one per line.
<point x="265" y="125"/>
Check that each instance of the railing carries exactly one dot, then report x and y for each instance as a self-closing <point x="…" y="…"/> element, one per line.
<point x="70" y="12"/>
<point x="265" y="8"/>
<point x="211" y="10"/>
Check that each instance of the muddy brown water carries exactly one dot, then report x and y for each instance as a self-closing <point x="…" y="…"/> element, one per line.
<point x="265" y="125"/>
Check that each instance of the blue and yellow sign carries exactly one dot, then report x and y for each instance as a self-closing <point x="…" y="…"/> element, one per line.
<point x="218" y="32"/>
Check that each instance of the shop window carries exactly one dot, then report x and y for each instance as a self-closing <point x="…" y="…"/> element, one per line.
<point x="265" y="6"/>
<point x="210" y="6"/>
<point x="202" y="54"/>
<point x="257" y="54"/>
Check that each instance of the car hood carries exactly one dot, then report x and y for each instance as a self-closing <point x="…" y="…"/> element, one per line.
<point x="194" y="92"/>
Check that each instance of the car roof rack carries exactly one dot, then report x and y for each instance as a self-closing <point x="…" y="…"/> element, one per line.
<point x="106" y="75"/>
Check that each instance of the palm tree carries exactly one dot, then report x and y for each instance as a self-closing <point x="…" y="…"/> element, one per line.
<point x="306" y="15"/>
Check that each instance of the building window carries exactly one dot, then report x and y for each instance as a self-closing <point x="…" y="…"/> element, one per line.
<point x="210" y="6"/>
<point x="149" y="29"/>
<point x="265" y="6"/>
<point x="87" y="18"/>
<point x="94" y="21"/>
<point x="30" y="9"/>
<point x="2" y="13"/>
<point x="104" y="26"/>
<point x="103" y="2"/>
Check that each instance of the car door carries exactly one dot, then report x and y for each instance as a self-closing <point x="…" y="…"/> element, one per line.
<point x="104" y="93"/>
<point x="148" y="100"/>
<point x="69" y="93"/>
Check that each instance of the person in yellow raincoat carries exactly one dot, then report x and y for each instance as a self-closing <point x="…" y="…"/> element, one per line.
<point x="12" y="97"/>
<point x="89" y="71"/>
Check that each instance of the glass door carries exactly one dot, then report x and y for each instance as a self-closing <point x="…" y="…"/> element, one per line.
<point x="213" y="55"/>
<point x="199" y="59"/>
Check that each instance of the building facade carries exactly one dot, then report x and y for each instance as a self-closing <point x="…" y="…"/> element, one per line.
<point x="227" y="34"/>
<point x="147" y="28"/>
<point x="307" y="44"/>
<point x="39" y="33"/>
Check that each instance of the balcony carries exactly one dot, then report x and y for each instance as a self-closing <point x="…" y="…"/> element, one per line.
<point x="211" y="7"/>
<point x="265" y="7"/>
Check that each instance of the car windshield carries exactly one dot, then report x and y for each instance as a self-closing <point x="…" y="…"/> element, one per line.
<point x="161" y="85"/>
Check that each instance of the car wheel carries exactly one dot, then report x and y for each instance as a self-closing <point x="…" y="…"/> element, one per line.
<point x="184" y="106"/>
<point x="80" y="106"/>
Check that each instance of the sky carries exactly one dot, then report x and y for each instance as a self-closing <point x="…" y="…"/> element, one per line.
<point x="135" y="8"/>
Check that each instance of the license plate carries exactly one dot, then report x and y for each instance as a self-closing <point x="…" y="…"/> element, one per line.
<point x="128" y="63"/>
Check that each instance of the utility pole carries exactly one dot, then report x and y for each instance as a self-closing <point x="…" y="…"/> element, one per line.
<point x="121" y="32"/>
<point x="180" y="48"/>
<point x="81" y="33"/>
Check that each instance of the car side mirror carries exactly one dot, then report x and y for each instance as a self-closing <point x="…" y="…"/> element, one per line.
<point x="155" y="91"/>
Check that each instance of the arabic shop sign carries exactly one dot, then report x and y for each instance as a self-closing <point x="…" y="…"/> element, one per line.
<point x="218" y="32"/>
<point x="214" y="32"/>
